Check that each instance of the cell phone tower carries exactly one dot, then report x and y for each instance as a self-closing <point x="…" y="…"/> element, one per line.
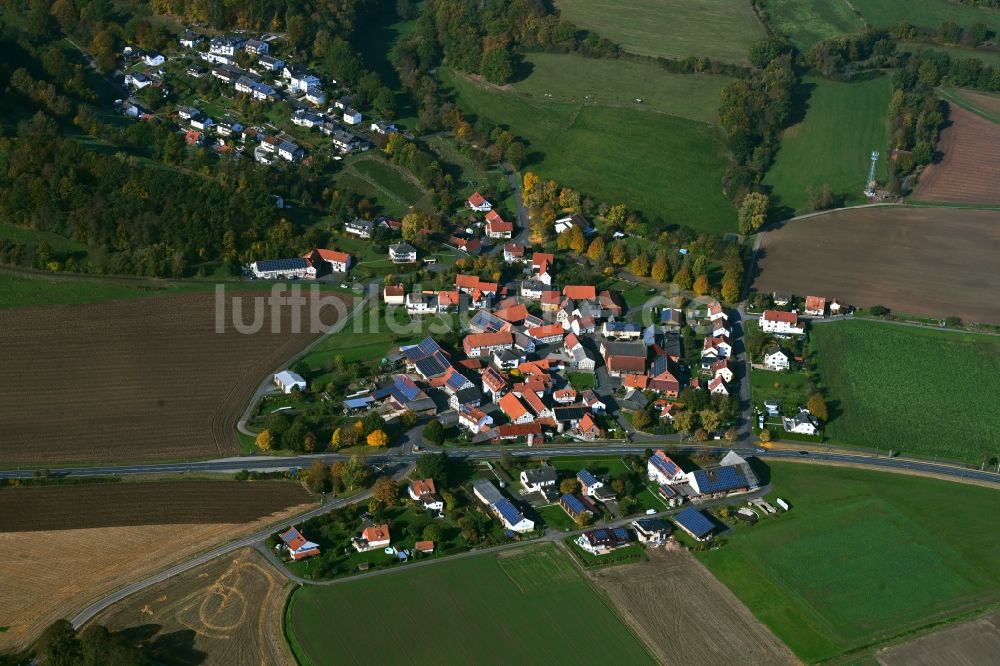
<point x="870" y="188"/>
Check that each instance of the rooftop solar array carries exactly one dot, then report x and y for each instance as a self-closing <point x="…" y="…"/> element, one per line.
<point x="694" y="522"/>
<point x="456" y="381"/>
<point x="507" y="511"/>
<point x="667" y="491"/>
<point x="659" y="366"/>
<point x="282" y="264"/>
<point x="358" y="403"/>
<point x="720" y="479"/>
<point x="486" y="322"/>
<point x="620" y="533"/>
<point x="586" y="478"/>
<point x="573" y="503"/>
<point x="432" y="366"/>
<point x="405" y="388"/>
<point x="487" y="491"/>
<point x="666" y="465"/>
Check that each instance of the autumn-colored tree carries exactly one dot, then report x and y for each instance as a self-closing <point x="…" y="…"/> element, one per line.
<point x="660" y="270"/>
<point x="583" y="519"/>
<point x="385" y="491"/>
<point x="817" y="407"/>
<point x="309" y="442"/>
<point x="700" y="435"/>
<point x="318" y="477"/>
<point x="639" y="266"/>
<point x="577" y="241"/>
<point x="753" y="212"/>
<point x="617" y="214"/>
<point x="619" y="255"/>
<point x="730" y="436"/>
<point x="641" y="419"/>
<point x="683" y="278"/>
<point x="765" y="435"/>
<point x="569" y="199"/>
<point x="336" y="440"/>
<point x="701" y="285"/>
<point x="532" y="190"/>
<point x="264" y="440"/>
<point x="596" y="250"/>
<point x="731" y="287"/>
<point x="378" y="439"/>
<point x="408" y="418"/>
<point x="710" y="419"/>
<point x="685" y="421"/>
<point x="569" y="486"/>
<point x="550" y="193"/>
<point x="414" y="223"/>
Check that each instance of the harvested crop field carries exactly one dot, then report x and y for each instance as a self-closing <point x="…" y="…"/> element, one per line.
<point x="934" y="262"/>
<point x="227" y="611"/>
<point x="86" y="564"/>
<point x="143" y="379"/>
<point x="973" y="642"/>
<point x="153" y="503"/>
<point x="685" y="615"/>
<point x="967" y="172"/>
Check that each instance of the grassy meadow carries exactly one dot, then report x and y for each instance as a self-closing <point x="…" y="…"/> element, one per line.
<point x="384" y="185"/>
<point x="843" y="123"/>
<point x="807" y="22"/>
<point x="565" y="77"/>
<point x="924" y="13"/>
<point x="719" y="29"/>
<point x="862" y="557"/>
<point x="530" y="607"/>
<point x="917" y="391"/>
<point x="663" y="165"/>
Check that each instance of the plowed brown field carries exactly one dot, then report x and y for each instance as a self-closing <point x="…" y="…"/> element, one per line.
<point x="153" y="503"/>
<point x="56" y="573"/>
<point x="145" y="379"/>
<point x="970" y="163"/>
<point x="225" y="612"/>
<point x="686" y="616"/>
<point x="934" y="262"/>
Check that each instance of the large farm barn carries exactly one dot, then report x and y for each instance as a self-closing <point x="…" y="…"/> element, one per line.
<point x="924" y="261"/>
<point x="144" y="379"/>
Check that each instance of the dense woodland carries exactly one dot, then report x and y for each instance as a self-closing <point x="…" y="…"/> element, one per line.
<point x="145" y="203"/>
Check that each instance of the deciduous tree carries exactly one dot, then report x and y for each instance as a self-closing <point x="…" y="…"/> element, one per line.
<point x="661" y="269"/>
<point x="753" y="212"/>
<point x="596" y="250"/>
<point x="264" y="440"/>
<point x="710" y="420"/>
<point x="378" y="438"/>
<point x="619" y="255"/>
<point x="385" y="491"/>
<point x="817" y="406"/>
<point x="701" y="285"/>
<point x="569" y="486"/>
<point x="683" y="278"/>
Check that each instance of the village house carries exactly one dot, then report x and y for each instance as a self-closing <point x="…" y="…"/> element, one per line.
<point x="332" y="260"/>
<point x="717" y="386"/>
<point x="372" y="538"/>
<point x="671" y="319"/>
<point x="661" y="379"/>
<point x="509" y="516"/>
<point x="402" y="253"/>
<point x="593" y="403"/>
<point x="190" y="39"/>
<point x="624" y="358"/>
<point x="298" y="546"/>
<point x="268" y="64"/>
<point x="352" y="117"/>
<point x="256" y="47"/>
<point x="588" y="428"/>
<point x="578" y="508"/>
<point x="775" y="359"/>
<point x="283" y="269"/>
<point x="360" y="228"/>
<point x="538" y="478"/>
<point x="478" y="203"/>
<point x="299" y="80"/>
<point x="621" y="330"/>
<point x="815" y="306"/>
<point x="513" y="252"/>
<point x="589" y="484"/>
<point x="802" y="423"/>
<point x="486" y="343"/>
<point x="651" y="531"/>
<point x="393" y="294"/>
<point x="721" y="369"/>
<point x="514" y="409"/>
<point x="776" y="321"/>
<point x="604" y="540"/>
<point x="497" y="227"/>
<point x="661" y="469"/>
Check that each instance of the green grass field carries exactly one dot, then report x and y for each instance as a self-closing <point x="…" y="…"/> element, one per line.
<point x="806" y="22"/>
<point x="565" y="77"/>
<point x="532" y="607"/>
<point x="382" y="184"/>
<point x="861" y="557"/>
<point x="596" y="150"/>
<point x="917" y="391"/>
<point x="719" y="29"/>
<point x="987" y="56"/>
<point x="843" y="124"/>
<point x="22" y="288"/>
<point x="925" y="13"/>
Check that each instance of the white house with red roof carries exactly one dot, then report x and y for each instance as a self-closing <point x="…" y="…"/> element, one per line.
<point x="513" y="252"/>
<point x="474" y="419"/>
<point x="478" y="203"/>
<point x="372" y="538"/>
<point x="815" y="306"/>
<point x="497" y="227"/>
<point x="394" y="294"/>
<point x="718" y="386"/>
<point x="776" y="321"/>
<point x="514" y="409"/>
<point x="589" y="429"/>
<point x="661" y="469"/>
<point x="716" y="313"/>
<point x="337" y="262"/>
<point x="298" y="546"/>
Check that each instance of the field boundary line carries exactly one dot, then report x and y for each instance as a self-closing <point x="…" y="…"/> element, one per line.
<point x="951" y="97"/>
<point x="293" y="644"/>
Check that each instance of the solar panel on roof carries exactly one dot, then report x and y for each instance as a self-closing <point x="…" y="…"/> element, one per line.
<point x="659" y="365"/>
<point x="456" y="381"/>
<point x="694" y="521"/>
<point x="667" y="491"/>
<point x="507" y="511"/>
<point x="573" y="503"/>
<point x="586" y="478"/>
<point x="720" y="479"/>
<point x="281" y="264"/>
<point x="666" y="465"/>
<point x="621" y="533"/>
<point x="407" y="389"/>
<point x="428" y="346"/>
